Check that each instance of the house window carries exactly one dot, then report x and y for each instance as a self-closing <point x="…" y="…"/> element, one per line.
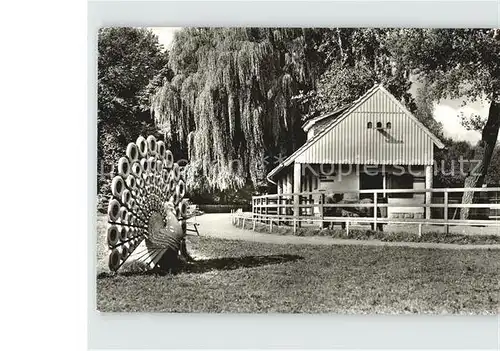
<point x="379" y="125"/>
<point x="404" y="181"/>
<point x="369" y="125"/>
<point x="388" y="125"/>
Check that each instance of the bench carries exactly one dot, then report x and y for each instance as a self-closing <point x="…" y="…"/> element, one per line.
<point x="192" y="227"/>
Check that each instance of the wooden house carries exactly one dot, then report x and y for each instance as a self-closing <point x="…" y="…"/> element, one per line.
<point x="372" y="143"/>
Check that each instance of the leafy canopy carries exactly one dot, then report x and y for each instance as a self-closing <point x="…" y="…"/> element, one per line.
<point x="128" y="60"/>
<point x="231" y="100"/>
<point x="356" y="59"/>
<point x="458" y="63"/>
<point x="240" y="95"/>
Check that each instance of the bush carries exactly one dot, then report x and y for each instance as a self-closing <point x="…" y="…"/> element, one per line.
<point x="222" y="208"/>
<point x="102" y="203"/>
<point x="360" y="234"/>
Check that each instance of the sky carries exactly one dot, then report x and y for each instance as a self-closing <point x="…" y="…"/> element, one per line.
<point x="446" y="111"/>
<point x="165" y="34"/>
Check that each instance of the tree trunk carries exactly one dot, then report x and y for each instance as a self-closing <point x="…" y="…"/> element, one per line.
<point x="482" y="154"/>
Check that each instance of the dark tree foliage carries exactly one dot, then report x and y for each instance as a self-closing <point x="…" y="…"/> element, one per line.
<point x="355" y="60"/>
<point x="493" y="175"/>
<point x="241" y="196"/>
<point x="459" y="63"/>
<point x="230" y="103"/>
<point x="424" y="110"/>
<point x="241" y="94"/>
<point x="448" y="172"/>
<point x="128" y="60"/>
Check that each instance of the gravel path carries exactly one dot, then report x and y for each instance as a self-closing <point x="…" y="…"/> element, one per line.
<point x="219" y="225"/>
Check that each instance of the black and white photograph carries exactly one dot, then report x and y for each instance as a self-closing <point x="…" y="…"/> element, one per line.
<point x="298" y="170"/>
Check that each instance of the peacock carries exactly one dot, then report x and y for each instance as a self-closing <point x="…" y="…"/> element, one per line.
<point x="147" y="211"/>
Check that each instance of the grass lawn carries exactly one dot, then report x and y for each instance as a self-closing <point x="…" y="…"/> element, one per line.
<point x="239" y="276"/>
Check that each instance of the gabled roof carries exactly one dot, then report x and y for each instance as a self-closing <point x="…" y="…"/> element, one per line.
<point x="341" y="116"/>
<point x="335" y="114"/>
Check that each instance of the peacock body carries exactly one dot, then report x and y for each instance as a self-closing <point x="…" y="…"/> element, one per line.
<point x="147" y="211"/>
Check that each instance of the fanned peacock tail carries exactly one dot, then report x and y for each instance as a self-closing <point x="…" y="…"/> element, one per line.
<point x="147" y="211"/>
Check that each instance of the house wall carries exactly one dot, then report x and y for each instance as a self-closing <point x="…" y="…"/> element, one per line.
<point x="407" y="212"/>
<point x="417" y="199"/>
<point x="339" y="183"/>
<point x="404" y="143"/>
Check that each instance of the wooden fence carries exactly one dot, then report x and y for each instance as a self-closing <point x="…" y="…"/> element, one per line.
<point x="297" y="208"/>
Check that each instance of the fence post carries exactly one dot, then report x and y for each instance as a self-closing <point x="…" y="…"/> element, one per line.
<point x="266" y="211"/>
<point x="295" y="200"/>
<point x="428" y="186"/>
<point x="375" y="208"/>
<point x="257" y="207"/>
<point x="278" y="209"/>
<point x="446" y="226"/>
<point x="260" y="209"/>
<point x="297" y="177"/>
<point x="321" y="209"/>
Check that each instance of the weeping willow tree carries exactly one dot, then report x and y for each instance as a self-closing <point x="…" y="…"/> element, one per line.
<point x="230" y="105"/>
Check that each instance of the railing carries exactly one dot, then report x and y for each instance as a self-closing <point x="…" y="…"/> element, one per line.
<point x="296" y="208"/>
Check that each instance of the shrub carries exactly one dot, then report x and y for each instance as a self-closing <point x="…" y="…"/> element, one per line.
<point x="361" y="234"/>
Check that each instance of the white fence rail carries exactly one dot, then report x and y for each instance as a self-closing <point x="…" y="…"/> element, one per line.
<point x="312" y="207"/>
